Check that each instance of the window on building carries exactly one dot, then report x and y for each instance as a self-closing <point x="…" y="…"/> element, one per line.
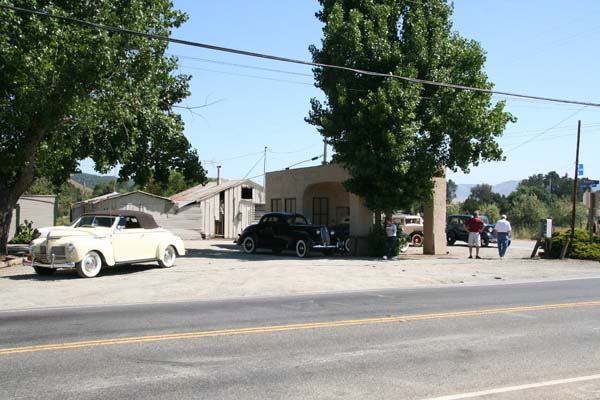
<point x="290" y="205"/>
<point x="275" y="204"/>
<point x="247" y="193"/>
<point x="320" y="214"/>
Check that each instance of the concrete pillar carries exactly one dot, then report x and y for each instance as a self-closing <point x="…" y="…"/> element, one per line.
<point x="361" y="222"/>
<point x="434" y="226"/>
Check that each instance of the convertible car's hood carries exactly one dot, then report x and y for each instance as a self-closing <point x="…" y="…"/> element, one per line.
<point x="62" y="231"/>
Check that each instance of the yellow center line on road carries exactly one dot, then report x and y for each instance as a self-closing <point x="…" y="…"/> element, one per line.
<point x="291" y="327"/>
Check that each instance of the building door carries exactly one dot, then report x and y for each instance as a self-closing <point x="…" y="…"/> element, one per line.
<point x="320" y="211"/>
<point x="220" y="222"/>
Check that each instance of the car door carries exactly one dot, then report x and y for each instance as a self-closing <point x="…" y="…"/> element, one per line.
<point x="282" y="233"/>
<point x="266" y="231"/>
<point x="131" y="243"/>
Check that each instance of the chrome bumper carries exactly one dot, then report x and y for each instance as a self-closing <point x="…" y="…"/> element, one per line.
<point x="325" y="246"/>
<point x="53" y="263"/>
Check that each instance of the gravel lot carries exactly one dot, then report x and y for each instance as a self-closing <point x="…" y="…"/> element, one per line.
<point x="218" y="270"/>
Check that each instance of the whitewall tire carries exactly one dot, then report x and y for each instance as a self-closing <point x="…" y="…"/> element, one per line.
<point x="168" y="257"/>
<point x="302" y="248"/>
<point x="90" y="265"/>
<point x="249" y="245"/>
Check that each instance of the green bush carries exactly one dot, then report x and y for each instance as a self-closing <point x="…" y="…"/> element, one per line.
<point x="376" y="242"/>
<point x="580" y="248"/>
<point x="24" y="233"/>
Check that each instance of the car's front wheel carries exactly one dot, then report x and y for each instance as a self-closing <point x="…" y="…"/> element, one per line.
<point x="90" y="265"/>
<point x="249" y="245"/>
<point x="44" y="270"/>
<point x="451" y="238"/>
<point x="168" y="257"/>
<point x="485" y="240"/>
<point x="416" y="239"/>
<point x="347" y="245"/>
<point x="302" y="248"/>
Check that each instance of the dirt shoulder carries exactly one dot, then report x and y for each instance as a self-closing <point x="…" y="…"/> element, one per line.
<point x="218" y="270"/>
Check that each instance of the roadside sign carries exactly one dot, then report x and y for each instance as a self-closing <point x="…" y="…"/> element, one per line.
<point x="580" y="169"/>
<point x="588" y="183"/>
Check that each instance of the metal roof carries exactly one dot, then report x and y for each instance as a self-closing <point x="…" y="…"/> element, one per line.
<point x="201" y="192"/>
<point x="115" y="195"/>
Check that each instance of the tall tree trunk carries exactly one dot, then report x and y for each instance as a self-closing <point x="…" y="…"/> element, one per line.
<point x="11" y="191"/>
<point x="7" y="205"/>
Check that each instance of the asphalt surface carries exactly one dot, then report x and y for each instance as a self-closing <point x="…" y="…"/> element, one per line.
<point x="534" y="340"/>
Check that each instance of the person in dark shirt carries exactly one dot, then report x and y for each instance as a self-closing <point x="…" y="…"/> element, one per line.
<point x="474" y="226"/>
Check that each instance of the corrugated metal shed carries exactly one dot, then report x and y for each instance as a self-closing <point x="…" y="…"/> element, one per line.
<point x="219" y="209"/>
<point x="39" y="209"/>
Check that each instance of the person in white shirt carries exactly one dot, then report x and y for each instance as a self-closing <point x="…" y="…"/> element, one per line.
<point x="503" y="229"/>
<point x="391" y="231"/>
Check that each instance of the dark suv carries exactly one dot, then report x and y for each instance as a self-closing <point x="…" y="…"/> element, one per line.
<point x="455" y="229"/>
<point x="280" y="231"/>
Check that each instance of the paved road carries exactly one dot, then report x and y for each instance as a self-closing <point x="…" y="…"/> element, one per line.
<point x="531" y="340"/>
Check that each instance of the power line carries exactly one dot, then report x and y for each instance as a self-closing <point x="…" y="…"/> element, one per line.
<point x="547" y="130"/>
<point x="291" y="60"/>
<point x="249" y="76"/>
<point x="280" y="71"/>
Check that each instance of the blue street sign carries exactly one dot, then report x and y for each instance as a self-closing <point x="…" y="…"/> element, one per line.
<point x="588" y="183"/>
<point x="580" y="169"/>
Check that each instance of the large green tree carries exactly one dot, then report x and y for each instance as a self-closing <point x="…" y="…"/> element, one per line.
<point x="451" y="188"/>
<point x="554" y="184"/>
<point x="70" y="91"/>
<point x="394" y="136"/>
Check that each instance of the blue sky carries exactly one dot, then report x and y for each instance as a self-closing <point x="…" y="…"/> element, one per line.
<point x="539" y="47"/>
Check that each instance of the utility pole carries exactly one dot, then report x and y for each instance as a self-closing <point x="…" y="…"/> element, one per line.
<point x="265" y="170"/>
<point x="575" y="181"/>
<point x="324" y="151"/>
<point x="568" y="241"/>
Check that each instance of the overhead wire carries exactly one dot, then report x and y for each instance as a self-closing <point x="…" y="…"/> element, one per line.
<point x="249" y="76"/>
<point x="254" y="166"/>
<point x="545" y="131"/>
<point x="291" y="60"/>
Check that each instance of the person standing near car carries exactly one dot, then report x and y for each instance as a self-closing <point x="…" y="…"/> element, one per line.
<point x="503" y="229"/>
<point x="474" y="226"/>
<point x="391" y="232"/>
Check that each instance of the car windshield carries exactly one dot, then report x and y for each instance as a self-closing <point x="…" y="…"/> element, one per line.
<point x="94" y="220"/>
<point x="297" y="220"/>
<point x="484" y="219"/>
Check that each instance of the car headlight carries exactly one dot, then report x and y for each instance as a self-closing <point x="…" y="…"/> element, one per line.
<point x="318" y="231"/>
<point x="332" y="232"/>
<point x="71" y="248"/>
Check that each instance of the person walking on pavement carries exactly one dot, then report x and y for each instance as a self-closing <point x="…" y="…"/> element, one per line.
<point x="503" y="229"/>
<point x="474" y="226"/>
<point x="391" y="231"/>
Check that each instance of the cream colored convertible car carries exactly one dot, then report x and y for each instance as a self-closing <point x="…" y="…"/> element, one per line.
<point x="104" y="239"/>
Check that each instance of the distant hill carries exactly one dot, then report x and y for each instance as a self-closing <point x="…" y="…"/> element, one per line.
<point x="504" y="188"/>
<point x="91" y="180"/>
<point x="87" y="191"/>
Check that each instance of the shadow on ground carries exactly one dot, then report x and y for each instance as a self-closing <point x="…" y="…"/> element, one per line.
<point x="234" y="252"/>
<point x="67" y="274"/>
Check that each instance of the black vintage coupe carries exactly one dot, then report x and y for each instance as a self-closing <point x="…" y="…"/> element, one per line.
<point x="280" y="231"/>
